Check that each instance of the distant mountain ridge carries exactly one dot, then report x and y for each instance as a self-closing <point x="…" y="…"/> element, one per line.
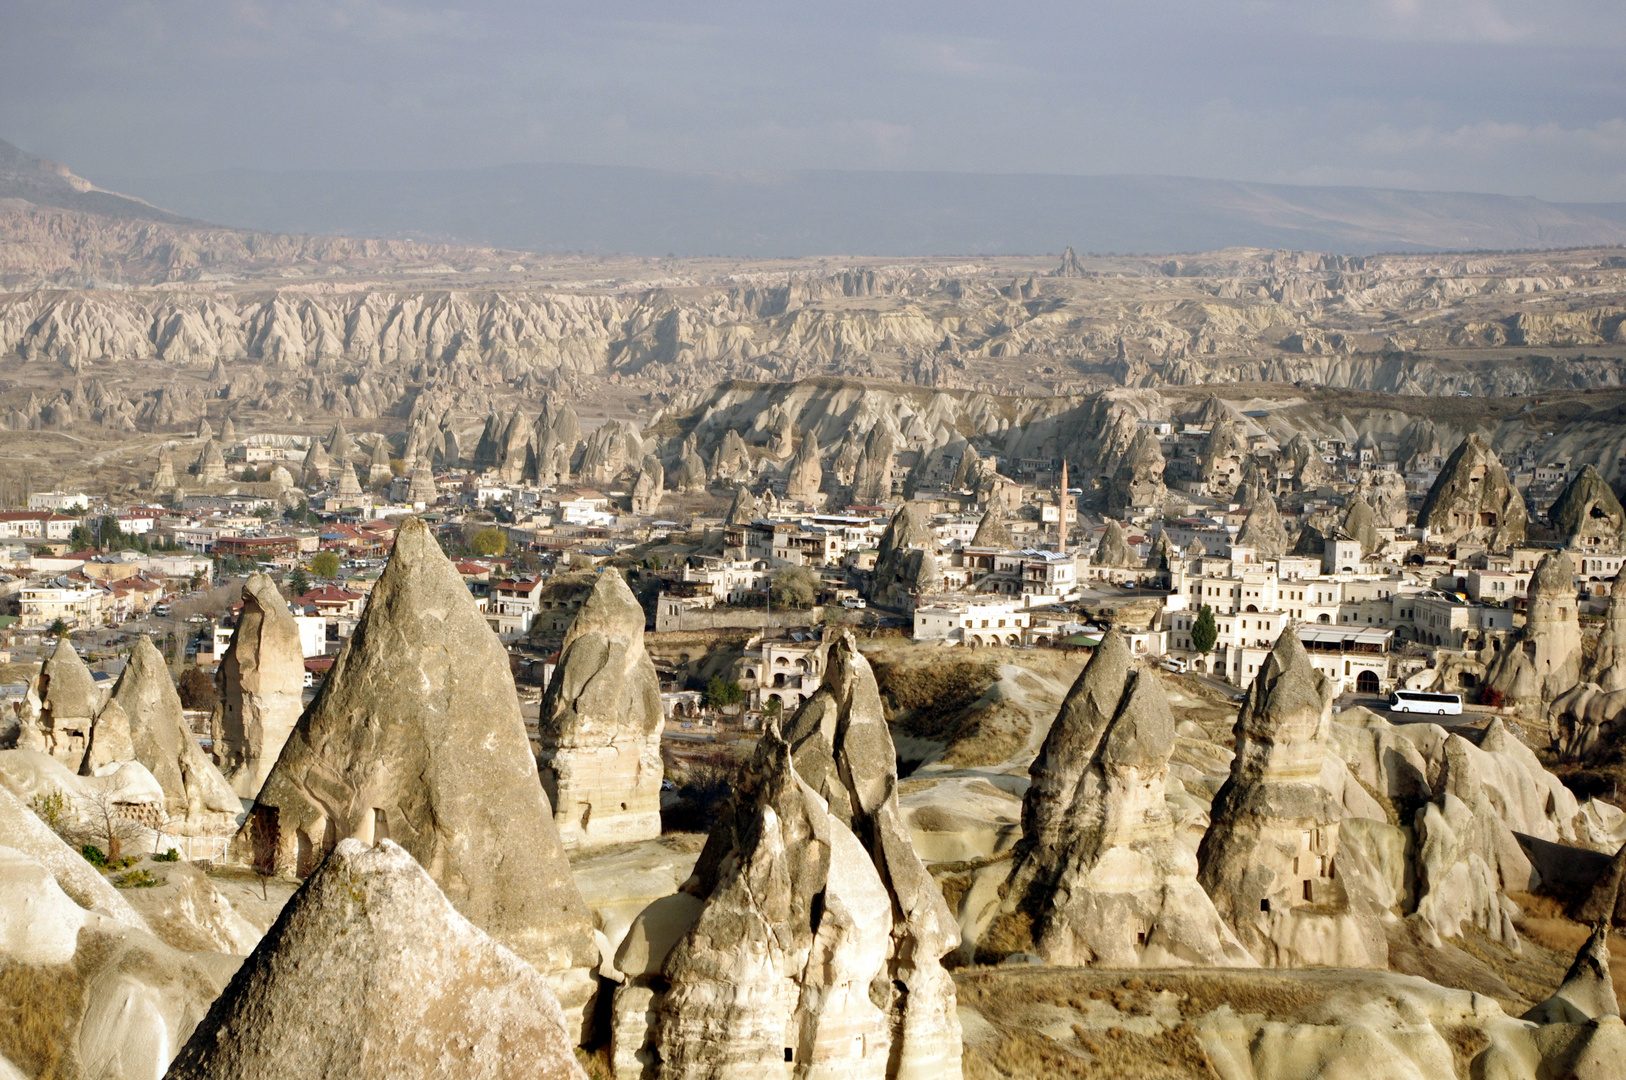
<point x="47" y="183"/>
<point x="613" y="209"/>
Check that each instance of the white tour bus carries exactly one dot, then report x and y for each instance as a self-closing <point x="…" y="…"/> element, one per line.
<point x="1416" y="701"/>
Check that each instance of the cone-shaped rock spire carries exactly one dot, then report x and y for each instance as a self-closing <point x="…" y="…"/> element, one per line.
<point x="416" y="736"/>
<point x="424" y="991"/>
<point x="600" y="725"/>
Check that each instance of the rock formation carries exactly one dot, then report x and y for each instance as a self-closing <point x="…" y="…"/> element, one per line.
<point x="425" y="992"/>
<point x="1608" y="665"/>
<point x="1101" y="871"/>
<point x="1545" y="660"/>
<point x="806" y="478"/>
<point x="744" y="508"/>
<point x="164" y="478"/>
<point x="69" y="701"/>
<point x="422" y="491"/>
<point x="649" y="487"/>
<point x="1221" y="455"/>
<point x="612" y="447"/>
<point x="318" y="466"/>
<point x="992" y="533"/>
<point x="1587" y="992"/>
<point x="600" y="725"/>
<point x="1138" y="479"/>
<point x="261" y="679"/>
<point x="906" y="547"/>
<point x="1304" y="458"/>
<point x="1263" y="530"/>
<point x="1114" y="549"/>
<point x="1270" y="859"/>
<point x="814" y="948"/>
<point x="1384" y="490"/>
<point x="416" y="737"/>
<point x="211" y="466"/>
<point x="872" y="477"/>
<point x="194" y="790"/>
<point x="733" y="460"/>
<point x="1361" y="524"/>
<point x="1473" y="499"/>
<point x="1587" y="516"/>
<point x="691" y="475"/>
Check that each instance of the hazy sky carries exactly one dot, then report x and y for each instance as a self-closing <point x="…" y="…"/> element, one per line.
<point x="1486" y="95"/>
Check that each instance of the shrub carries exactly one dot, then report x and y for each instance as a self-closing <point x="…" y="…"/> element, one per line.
<point x="1204" y="632"/>
<point x="94" y="855"/>
<point x="325" y="564"/>
<point x="197" y="690"/>
<point x="1492" y="697"/>
<point x="137" y="879"/>
<point x="721" y="692"/>
<point x="169" y="856"/>
<point x="50" y="808"/>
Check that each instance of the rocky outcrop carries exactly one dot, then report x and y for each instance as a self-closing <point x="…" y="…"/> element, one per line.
<point x="1473" y="499"/>
<point x="1101" y="873"/>
<point x="600" y="725"/>
<point x="1587" y="516"/>
<point x="649" y="487"/>
<point x="1607" y="667"/>
<point x="872" y="476"/>
<point x="1221" y="455"/>
<point x="1587" y="992"/>
<point x="194" y="791"/>
<point x="1304" y="458"/>
<point x="261" y="679"/>
<point x="612" y="448"/>
<point x="68" y="703"/>
<point x="426" y="992"/>
<point x="1384" y="490"/>
<point x="744" y="507"/>
<point x="1263" y="530"/>
<point x="1361" y="524"/>
<point x="1138" y="479"/>
<point x="416" y="737"/>
<point x="1113" y="549"/>
<point x="691" y="472"/>
<point x="1271" y="858"/>
<point x="904" y="556"/>
<point x="806" y="478"/>
<point x="1545" y="660"/>
<point x="992" y="533"/>
<point x="814" y="948"/>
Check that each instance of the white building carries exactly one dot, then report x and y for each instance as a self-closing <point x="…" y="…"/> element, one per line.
<point x="58" y="500"/>
<point x="973" y="622"/>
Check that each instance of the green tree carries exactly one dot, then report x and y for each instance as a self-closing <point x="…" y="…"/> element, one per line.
<point x="721" y="692"/>
<point x="81" y="538"/>
<point x="490" y="541"/>
<point x="1204" y="632"/>
<point x="299" y="581"/>
<point x="325" y="564"/>
<point x="794" y="587"/>
<point x="57" y="628"/>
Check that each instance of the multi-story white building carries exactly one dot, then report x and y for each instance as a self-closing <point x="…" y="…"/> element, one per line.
<point x="76" y="605"/>
<point x="973" y="622"/>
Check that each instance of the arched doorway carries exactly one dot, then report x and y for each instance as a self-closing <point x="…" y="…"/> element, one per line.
<point x="1323" y="618"/>
<point x="1367" y="682"/>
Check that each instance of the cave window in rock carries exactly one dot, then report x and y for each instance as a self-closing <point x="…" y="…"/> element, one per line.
<point x="381" y="824"/>
<point x="1467" y="680"/>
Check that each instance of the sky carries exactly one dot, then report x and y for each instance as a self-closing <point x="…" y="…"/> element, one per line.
<point x="1519" y="98"/>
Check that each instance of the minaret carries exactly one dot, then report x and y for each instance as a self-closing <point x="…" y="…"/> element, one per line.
<point x="1063" y="512"/>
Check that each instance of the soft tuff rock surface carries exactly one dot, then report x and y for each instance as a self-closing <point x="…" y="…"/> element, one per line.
<point x="814" y="950"/>
<point x="1586" y="992"/>
<point x="1474" y="499"/>
<point x="371" y="973"/>
<point x="194" y="790"/>
<point x="1101" y="870"/>
<point x="1545" y="661"/>
<point x="261" y="679"/>
<point x="1587" y="516"/>
<point x="69" y="700"/>
<point x="1270" y="859"/>
<point x="600" y="725"/>
<point x="416" y="737"/>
